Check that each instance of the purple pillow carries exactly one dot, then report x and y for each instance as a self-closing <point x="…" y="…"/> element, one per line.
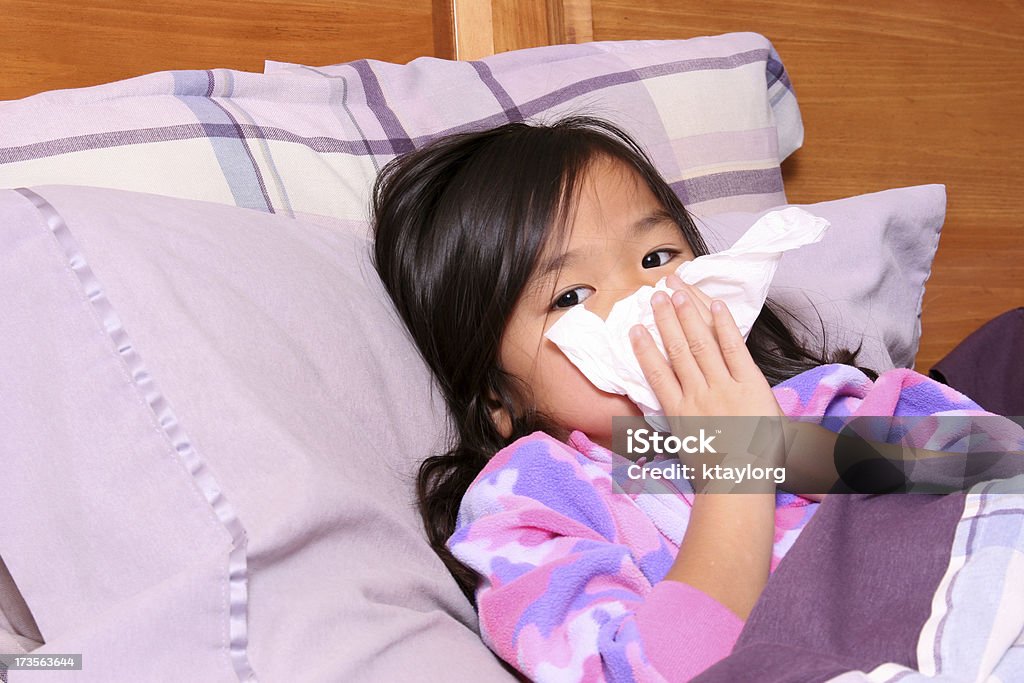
<point x="214" y="418"/>
<point x="211" y="418"/>
<point x="865" y="277"/>
<point x="717" y="114"/>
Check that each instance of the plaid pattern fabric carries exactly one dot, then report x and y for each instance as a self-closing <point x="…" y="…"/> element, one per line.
<point x="716" y="114"/>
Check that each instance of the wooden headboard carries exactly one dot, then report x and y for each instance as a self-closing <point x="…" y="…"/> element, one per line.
<point x="892" y="94"/>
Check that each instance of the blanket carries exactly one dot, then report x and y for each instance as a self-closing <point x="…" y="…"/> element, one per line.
<point x="896" y="587"/>
<point x="862" y="587"/>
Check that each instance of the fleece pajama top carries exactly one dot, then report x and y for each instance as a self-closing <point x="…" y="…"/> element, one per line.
<point x="572" y="567"/>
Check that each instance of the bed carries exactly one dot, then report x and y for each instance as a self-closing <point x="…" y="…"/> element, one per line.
<point x="870" y="98"/>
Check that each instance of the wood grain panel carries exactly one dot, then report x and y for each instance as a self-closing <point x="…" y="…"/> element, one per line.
<point x="521" y="24"/>
<point x="486" y="27"/>
<point x="895" y="94"/>
<point x="52" y="44"/>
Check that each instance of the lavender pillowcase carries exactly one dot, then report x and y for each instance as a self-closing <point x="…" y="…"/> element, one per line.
<point x="717" y="114"/>
<point x="248" y="376"/>
<point x="865" y="278"/>
<point x="212" y="419"/>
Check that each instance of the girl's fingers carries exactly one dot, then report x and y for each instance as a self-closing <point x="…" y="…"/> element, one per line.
<point x="701" y="338"/>
<point x="677" y="346"/>
<point x="699" y="294"/>
<point x="657" y="370"/>
<point x="702" y="302"/>
<point x="734" y="350"/>
<point x="674" y="283"/>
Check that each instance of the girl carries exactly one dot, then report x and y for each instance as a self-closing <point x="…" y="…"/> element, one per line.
<point x="482" y="240"/>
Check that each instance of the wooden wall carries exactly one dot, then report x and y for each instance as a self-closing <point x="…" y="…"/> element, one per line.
<point x="68" y="44"/>
<point x="471" y="29"/>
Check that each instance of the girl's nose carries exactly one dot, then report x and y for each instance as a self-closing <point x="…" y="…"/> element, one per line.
<point x="605" y="299"/>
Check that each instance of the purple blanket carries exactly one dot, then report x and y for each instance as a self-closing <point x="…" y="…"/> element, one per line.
<point x="897" y="587"/>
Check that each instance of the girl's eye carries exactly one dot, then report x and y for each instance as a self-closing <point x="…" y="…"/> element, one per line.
<point x="658" y="258"/>
<point x="572" y="297"/>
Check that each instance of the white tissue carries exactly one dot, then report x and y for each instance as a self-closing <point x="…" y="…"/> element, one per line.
<point x="738" y="276"/>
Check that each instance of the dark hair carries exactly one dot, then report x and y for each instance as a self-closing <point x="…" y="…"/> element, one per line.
<point x="459" y="226"/>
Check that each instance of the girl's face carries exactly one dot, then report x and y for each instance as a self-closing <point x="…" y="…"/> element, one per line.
<point x="621" y="238"/>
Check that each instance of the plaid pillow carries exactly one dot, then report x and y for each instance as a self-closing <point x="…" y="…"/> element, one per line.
<point x="717" y="115"/>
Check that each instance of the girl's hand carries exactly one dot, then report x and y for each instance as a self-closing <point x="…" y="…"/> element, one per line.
<point x="709" y="371"/>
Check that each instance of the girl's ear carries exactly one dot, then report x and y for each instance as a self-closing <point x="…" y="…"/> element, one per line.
<point x="500" y="417"/>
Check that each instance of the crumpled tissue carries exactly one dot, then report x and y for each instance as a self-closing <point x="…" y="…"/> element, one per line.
<point x="739" y="277"/>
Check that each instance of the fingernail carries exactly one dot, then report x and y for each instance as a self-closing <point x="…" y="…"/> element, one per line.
<point x="659" y="298"/>
<point x="679" y="298"/>
<point x="636" y="332"/>
<point x="717" y="306"/>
